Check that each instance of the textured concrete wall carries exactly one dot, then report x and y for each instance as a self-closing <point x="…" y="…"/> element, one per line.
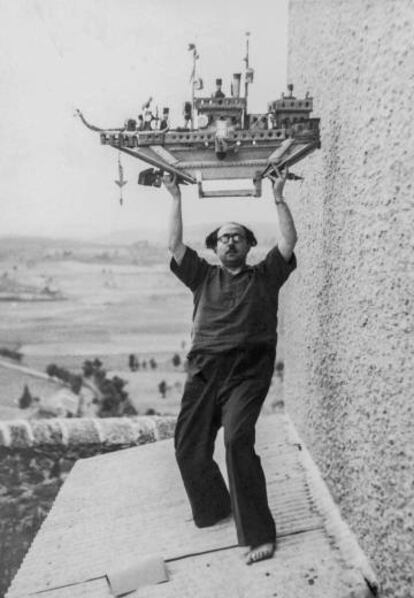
<point x="35" y="459"/>
<point x="348" y="309"/>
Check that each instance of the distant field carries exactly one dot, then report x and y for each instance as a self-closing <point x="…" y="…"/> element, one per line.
<point x="108" y="312"/>
<point x="103" y="305"/>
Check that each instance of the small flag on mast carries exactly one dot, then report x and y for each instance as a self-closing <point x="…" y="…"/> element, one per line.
<point x="192" y="48"/>
<point x="249" y="75"/>
<point x="198" y="84"/>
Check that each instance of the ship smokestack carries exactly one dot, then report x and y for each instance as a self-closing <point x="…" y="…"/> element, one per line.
<point x="219" y="92"/>
<point x="235" y="86"/>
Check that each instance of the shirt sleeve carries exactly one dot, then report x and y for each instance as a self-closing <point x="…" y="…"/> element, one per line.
<point x="192" y="270"/>
<point x="276" y="269"/>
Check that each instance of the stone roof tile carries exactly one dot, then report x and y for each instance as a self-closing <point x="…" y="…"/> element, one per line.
<point x="47" y="431"/>
<point x="21" y="434"/>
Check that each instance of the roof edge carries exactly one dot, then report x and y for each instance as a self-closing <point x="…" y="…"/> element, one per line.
<point x="23" y="434"/>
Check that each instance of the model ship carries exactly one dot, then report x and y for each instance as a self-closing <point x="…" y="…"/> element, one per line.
<point x="219" y="138"/>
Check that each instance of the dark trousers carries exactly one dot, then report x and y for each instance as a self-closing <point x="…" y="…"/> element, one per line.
<point x="226" y="389"/>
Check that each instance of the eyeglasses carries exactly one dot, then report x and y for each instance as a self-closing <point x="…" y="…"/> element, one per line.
<point x="236" y="237"/>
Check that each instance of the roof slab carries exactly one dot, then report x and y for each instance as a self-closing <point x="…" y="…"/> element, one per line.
<point x="121" y="507"/>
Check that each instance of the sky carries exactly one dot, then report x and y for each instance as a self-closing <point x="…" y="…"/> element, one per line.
<point x="107" y="57"/>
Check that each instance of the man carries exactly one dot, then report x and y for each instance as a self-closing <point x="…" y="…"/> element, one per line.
<point x="230" y="367"/>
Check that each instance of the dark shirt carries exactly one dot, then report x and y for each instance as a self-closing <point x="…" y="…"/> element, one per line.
<point x="233" y="310"/>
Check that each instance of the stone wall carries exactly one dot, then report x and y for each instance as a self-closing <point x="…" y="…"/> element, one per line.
<point x="348" y="308"/>
<point x="35" y="458"/>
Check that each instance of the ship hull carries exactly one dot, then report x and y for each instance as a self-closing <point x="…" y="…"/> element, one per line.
<point x="244" y="162"/>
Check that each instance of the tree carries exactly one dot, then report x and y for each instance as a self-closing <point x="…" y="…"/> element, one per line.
<point x="162" y="387"/>
<point x="26" y="399"/>
<point x="132" y="363"/>
<point x="113" y="400"/>
<point x="11" y="354"/>
<point x="111" y="397"/>
<point x="176" y="360"/>
<point x="279" y="369"/>
<point x="73" y="380"/>
<point x="151" y="411"/>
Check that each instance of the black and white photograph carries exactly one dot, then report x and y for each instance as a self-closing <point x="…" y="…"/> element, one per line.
<point x="206" y="288"/>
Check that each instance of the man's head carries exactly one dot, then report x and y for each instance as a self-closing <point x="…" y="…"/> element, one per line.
<point x="231" y="242"/>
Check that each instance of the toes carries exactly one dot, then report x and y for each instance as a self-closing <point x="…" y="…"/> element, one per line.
<point x="259" y="554"/>
<point x="256" y="556"/>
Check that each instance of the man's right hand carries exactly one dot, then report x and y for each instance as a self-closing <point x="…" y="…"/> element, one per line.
<point x="170" y="183"/>
<point x="175" y="235"/>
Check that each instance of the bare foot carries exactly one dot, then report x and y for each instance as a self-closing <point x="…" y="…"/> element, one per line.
<point x="260" y="553"/>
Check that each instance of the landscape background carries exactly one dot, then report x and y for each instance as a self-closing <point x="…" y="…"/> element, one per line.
<point x="65" y="301"/>
<point x="82" y="277"/>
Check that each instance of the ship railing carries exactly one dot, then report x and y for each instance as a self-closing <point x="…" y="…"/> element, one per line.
<point x="219" y="103"/>
<point x="303" y="129"/>
<point x="287" y="104"/>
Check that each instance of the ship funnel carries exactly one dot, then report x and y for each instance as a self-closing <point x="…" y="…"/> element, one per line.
<point x="219" y="92"/>
<point x="235" y="86"/>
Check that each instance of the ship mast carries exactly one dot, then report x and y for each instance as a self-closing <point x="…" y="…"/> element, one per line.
<point x="193" y="79"/>
<point x="248" y="78"/>
<point x="246" y="60"/>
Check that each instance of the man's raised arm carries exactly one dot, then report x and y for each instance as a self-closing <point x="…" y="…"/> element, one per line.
<point x="175" y="228"/>
<point x="287" y="228"/>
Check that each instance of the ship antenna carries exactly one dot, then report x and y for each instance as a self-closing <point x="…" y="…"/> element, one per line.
<point x="246" y="60"/>
<point x="192" y="48"/>
<point x="248" y="77"/>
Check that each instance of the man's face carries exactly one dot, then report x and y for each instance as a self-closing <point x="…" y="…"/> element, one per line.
<point x="232" y="247"/>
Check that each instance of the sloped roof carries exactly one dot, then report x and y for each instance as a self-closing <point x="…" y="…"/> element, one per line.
<point x="129" y="504"/>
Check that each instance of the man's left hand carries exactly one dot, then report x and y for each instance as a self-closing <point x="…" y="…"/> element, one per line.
<point x="279" y="183"/>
